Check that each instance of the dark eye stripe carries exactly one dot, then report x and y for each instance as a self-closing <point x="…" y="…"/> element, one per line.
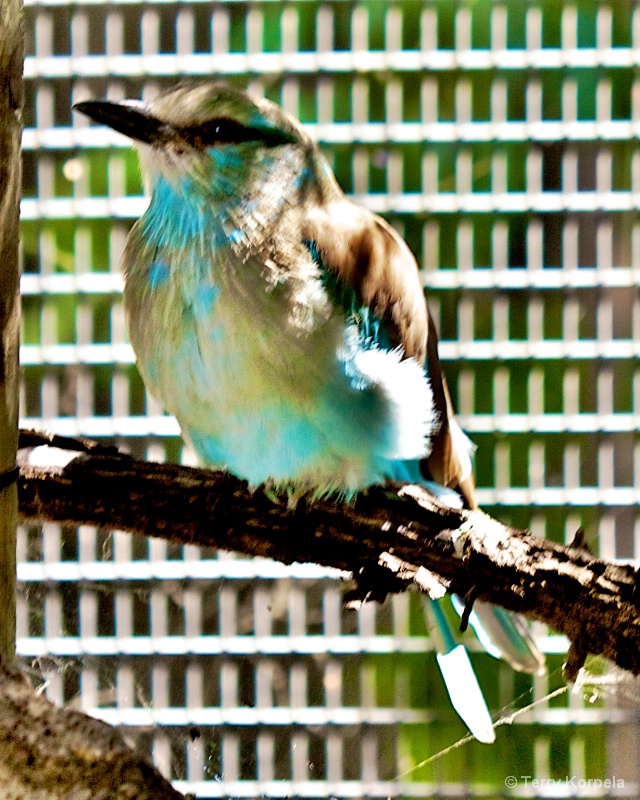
<point x="227" y="131"/>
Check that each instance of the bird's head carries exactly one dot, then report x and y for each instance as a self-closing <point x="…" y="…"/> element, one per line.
<point x="211" y="137"/>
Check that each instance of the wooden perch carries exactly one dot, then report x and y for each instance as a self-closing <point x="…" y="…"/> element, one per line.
<point x="389" y="537"/>
<point x="12" y="37"/>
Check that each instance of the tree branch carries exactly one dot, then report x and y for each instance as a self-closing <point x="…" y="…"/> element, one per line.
<point x="389" y="537"/>
<point x="49" y="753"/>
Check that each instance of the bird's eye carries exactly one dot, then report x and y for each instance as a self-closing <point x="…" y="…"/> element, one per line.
<point x="223" y="130"/>
<point x="220" y="131"/>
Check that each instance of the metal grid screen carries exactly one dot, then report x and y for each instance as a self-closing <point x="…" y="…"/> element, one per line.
<point x="501" y="139"/>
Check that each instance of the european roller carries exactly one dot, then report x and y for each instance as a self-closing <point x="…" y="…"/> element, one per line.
<point x="285" y="327"/>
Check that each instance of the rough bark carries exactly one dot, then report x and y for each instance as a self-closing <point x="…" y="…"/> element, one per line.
<point x="49" y="753"/>
<point x="389" y="538"/>
<point x="11" y="57"/>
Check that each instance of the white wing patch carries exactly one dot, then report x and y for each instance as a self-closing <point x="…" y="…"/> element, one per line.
<point x="406" y="387"/>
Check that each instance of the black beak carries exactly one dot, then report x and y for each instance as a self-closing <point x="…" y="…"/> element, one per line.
<point x="132" y="119"/>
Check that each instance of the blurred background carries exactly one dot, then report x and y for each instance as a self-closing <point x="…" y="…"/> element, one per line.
<point x="501" y="139"/>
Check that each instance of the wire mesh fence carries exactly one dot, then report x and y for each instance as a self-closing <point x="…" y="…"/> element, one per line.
<point x="501" y="140"/>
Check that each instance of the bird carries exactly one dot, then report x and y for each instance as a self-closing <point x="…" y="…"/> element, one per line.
<point x="284" y="326"/>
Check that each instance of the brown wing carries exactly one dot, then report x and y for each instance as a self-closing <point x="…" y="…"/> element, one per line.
<point x="444" y="464"/>
<point x="367" y="254"/>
